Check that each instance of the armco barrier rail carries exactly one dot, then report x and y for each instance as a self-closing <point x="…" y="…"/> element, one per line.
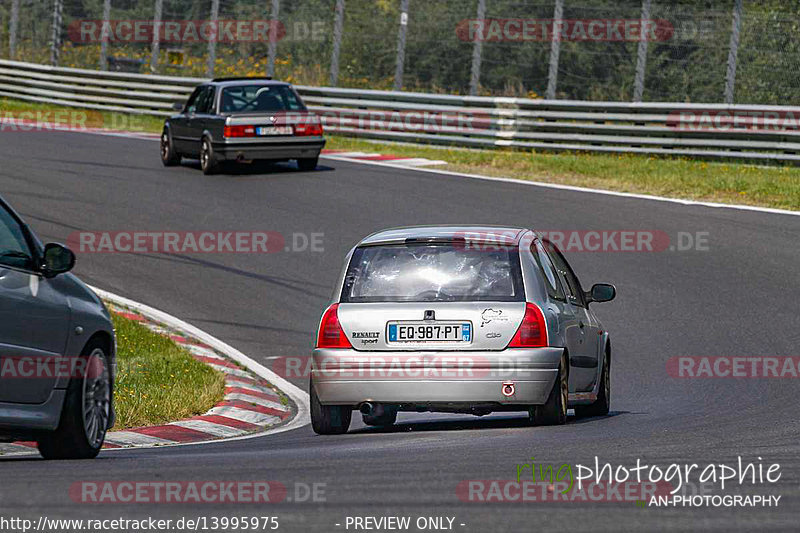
<point x="765" y="133"/>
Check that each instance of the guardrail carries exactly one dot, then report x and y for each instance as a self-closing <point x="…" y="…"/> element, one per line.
<point x="763" y="133"/>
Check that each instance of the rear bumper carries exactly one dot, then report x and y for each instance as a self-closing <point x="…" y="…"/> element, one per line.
<point x="343" y="377"/>
<point x="264" y="148"/>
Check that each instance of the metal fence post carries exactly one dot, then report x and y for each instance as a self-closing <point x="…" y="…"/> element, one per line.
<point x="730" y="78"/>
<point x="401" y="45"/>
<point x="273" y="37"/>
<point x="641" y="53"/>
<point x="212" y="42"/>
<point x="156" y="45"/>
<point x="477" y="48"/>
<point x="105" y="34"/>
<point x="55" y="37"/>
<point x="13" y="24"/>
<point x="337" y="42"/>
<point x="555" y="48"/>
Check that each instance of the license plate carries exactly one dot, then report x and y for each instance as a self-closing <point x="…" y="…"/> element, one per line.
<point x="274" y="130"/>
<point x="430" y="332"/>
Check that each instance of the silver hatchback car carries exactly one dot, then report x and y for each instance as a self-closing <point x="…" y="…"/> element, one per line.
<point x="57" y="348"/>
<point x="462" y="319"/>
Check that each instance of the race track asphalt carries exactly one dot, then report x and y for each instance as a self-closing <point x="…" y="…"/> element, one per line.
<point x="738" y="297"/>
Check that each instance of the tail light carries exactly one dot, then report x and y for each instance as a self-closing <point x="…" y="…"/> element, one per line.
<point x="532" y="333"/>
<point x="239" y="131"/>
<point x="308" y="129"/>
<point x="331" y="334"/>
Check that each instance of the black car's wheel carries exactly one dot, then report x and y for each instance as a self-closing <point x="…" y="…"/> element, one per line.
<point x="169" y="157"/>
<point x="602" y="404"/>
<point x="387" y="418"/>
<point x="87" y="408"/>
<point x="307" y="164"/>
<point x="208" y="161"/>
<point x="329" y="419"/>
<point x="554" y="411"/>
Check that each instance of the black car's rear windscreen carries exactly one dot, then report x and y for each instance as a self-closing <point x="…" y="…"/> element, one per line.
<point x="433" y="272"/>
<point x="260" y="98"/>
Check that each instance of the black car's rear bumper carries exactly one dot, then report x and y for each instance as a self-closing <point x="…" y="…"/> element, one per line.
<point x="273" y="148"/>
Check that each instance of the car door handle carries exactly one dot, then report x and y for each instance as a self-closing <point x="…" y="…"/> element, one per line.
<point x="581" y="324"/>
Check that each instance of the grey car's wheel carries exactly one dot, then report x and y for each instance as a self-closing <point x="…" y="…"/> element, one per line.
<point x="169" y="157"/>
<point x="307" y="164"/>
<point x="86" y="412"/>
<point x="602" y="404"/>
<point x="329" y="419"/>
<point x="208" y="161"/>
<point x="554" y="411"/>
<point x="388" y="418"/>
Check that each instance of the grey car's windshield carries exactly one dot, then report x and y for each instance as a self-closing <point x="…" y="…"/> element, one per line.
<point x="250" y="98"/>
<point x="438" y="272"/>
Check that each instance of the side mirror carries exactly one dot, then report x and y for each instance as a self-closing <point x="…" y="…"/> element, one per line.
<point x="57" y="260"/>
<point x="177" y="106"/>
<point x="601" y="292"/>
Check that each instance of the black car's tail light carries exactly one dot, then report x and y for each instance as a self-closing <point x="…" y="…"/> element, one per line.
<point x="239" y="131"/>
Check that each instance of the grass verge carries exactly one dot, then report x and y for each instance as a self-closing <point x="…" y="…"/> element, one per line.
<point x="724" y="182"/>
<point x="158" y="381"/>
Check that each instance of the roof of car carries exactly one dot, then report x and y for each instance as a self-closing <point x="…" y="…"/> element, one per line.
<point x="248" y="81"/>
<point x="496" y="234"/>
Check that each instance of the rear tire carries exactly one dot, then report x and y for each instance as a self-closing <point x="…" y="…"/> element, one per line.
<point x="208" y="161"/>
<point x="169" y="158"/>
<point x="388" y="418"/>
<point x="329" y="419"/>
<point x="307" y="164"/>
<point x="87" y="409"/>
<point x="554" y="411"/>
<point x="601" y="406"/>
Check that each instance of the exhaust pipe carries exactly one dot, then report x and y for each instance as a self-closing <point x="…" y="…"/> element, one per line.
<point x="371" y="409"/>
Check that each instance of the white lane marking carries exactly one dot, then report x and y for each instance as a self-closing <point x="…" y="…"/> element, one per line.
<point x="770" y="210"/>
<point x="15" y="449"/>
<point x="256" y="400"/>
<point x="218" y="430"/>
<point x="131" y="438"/>
<point x="204" y="352"/>
<point x="233" y="382"/>
<point x="244" y="415"/>
<point x="418" y="162"/>
<point x="229" y="370"/>
<point x="297" y="395"/>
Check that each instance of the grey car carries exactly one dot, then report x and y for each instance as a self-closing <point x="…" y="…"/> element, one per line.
<point x="242" y="119"/>
<point x="463" y="319"/>
<point x="57" y="348"/>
